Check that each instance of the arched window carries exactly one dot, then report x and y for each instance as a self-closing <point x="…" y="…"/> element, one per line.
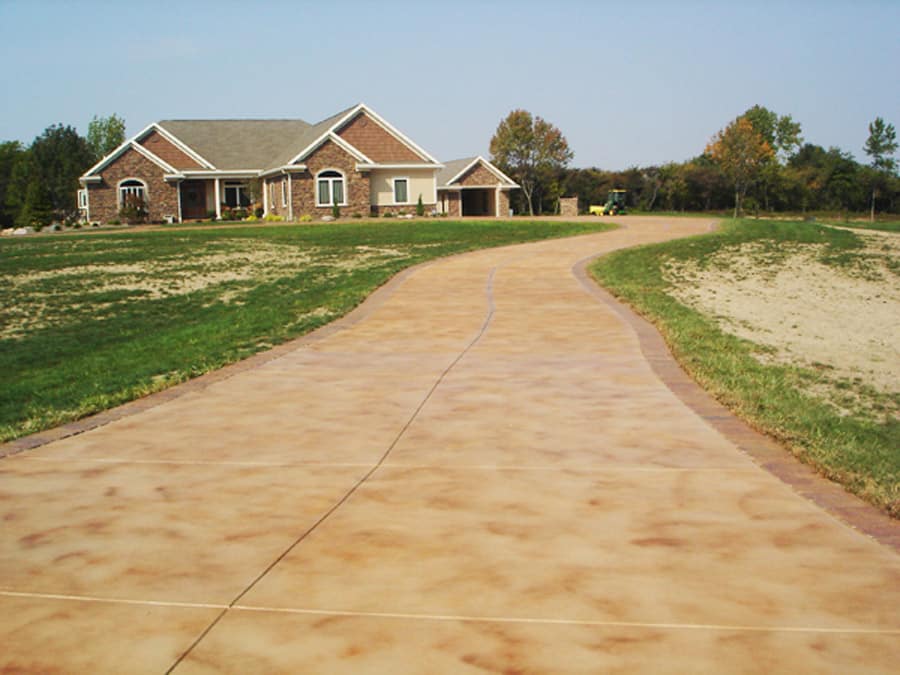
<point x="132" y="191"/>
<point x="330" y="188"/>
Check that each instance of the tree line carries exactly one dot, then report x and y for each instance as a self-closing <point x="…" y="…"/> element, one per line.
<point x="39" y="183"/>
<point x="757" y="163"/>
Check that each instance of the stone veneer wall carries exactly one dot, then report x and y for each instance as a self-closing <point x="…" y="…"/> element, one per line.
<point x="103" y="198"/>
<point x="568" y="207"/>
<point x="503" y="203"/>
<point x="478" y="175"/>
<point x="356" y="184"/>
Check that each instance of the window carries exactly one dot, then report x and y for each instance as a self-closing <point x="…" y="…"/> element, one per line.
<point x="82" y="199"/>
<point x="330" y="189"/>
<point x="272" y="195"/>
<point x="401" y="190"/>
<point x="283" y="192"/>
<point x="236" y="194"/>
<point x="132" y="190"/>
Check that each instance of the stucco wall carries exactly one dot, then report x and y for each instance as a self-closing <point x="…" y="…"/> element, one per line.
<point x="421" y="182"/>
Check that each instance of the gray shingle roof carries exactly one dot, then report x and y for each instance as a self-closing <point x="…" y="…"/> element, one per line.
<point x="452" y="168"/>
<point x="248" y="144"/>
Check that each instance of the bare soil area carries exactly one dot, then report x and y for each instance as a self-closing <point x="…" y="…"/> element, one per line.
<point x="838" y="317"/>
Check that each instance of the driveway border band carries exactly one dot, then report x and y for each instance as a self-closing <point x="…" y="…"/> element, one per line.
<point x="802" y="478"/>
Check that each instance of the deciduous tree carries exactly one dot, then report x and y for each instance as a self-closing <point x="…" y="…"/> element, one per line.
<point x="531" y="151"/>
<point x="105" y="134"/>
<point x="740" y="151"/>
<point x="880" y="146"/>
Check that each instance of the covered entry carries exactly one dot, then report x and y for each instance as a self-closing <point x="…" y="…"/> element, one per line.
<point x="479" y="202"/>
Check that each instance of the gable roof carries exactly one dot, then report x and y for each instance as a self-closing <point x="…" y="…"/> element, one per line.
<point x="342" y="119"/>
<point x="258" y="145"/>
<point x="457" y="168"/>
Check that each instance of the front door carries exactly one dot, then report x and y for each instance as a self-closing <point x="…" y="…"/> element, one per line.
<point x="193" y="199"/>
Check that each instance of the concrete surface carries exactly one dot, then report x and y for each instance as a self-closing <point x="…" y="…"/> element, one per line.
<point x="483" y="473"/>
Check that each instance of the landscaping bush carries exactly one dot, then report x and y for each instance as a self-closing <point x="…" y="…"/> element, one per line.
<point x="420" y="207"/>
<point x="133" y="210"/>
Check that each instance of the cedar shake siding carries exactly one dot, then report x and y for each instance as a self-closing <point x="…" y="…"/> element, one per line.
<point x="372" y="140"/>
<point x="161" y="197"/>
<point x="356" y="184"/>
<point x="167" y="152"/>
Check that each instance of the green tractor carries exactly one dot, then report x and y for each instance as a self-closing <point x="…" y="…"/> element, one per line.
<point x="614" y="206"/>
<point x="615" y="203"/>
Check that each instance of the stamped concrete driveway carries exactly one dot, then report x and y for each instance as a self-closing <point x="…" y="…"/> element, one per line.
<point x="482" y="474"/>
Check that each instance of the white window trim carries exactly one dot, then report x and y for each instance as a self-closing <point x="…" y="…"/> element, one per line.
<point x="331" y="179"/>
<point x="145" y="196"/>
<point x="242" y="186"/>
<point x="284" y="199"/>
<point x="82" y="199"/>
<point x="394" y="201"/>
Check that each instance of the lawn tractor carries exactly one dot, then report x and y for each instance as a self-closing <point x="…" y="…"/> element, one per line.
<point x="614" y="206"/>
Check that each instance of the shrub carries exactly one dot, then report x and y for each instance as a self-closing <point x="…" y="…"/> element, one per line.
<point x="115" y="221"/>
<point x="420" y="207"/>
<point x="357" y="215"/>
<point x="133" y="210"/>
<point x="211" y="215"/>
<point x="335" y="210"/>
<point x="239" y="214"/>
<point x="259" y="211"/>
<point x="272" y="218"/>
<point x="305" y="218"/>
<point x="252" y="218"/>
<point x="388" y="214"/>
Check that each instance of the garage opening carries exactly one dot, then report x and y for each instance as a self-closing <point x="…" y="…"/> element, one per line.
<point x="478" y="203"/>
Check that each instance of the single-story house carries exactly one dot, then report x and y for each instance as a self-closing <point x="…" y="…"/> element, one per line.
<point x="191" y="169"/>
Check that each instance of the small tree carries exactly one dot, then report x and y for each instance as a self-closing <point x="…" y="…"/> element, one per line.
<point x="105" y="134"/>
<point x="531" y="150"/>
<point x="335" y="208"/>
<point x="740" y="151"/>
<point x="420" y="207"/>
<point x="880" y="146"/>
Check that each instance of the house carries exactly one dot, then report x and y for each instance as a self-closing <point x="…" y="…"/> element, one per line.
<point x="191" y="169"/>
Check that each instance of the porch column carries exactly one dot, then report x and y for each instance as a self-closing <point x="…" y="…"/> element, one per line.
<point x="218" y="200"/>
<point x="497" y="202"/>
<point x="178" y="188"/>
<point x="290" y="197"/>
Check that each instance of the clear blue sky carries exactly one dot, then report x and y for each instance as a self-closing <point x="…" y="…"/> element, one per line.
<point x="628" y="83"/>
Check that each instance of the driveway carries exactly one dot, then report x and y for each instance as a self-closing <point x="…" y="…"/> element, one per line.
<point x="483" y="473"/>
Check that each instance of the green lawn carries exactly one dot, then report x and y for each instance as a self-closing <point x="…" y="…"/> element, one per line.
<point x="854" y="439"/>
<point x="91" y="321"/>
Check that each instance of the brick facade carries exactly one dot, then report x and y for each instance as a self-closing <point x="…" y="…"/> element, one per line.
<point x="161" y="197"/>
<point x="167" y="152"/>
<point x="356" y="184"/>
<point x="568" y="207"/>
<point x="367" y="136"/>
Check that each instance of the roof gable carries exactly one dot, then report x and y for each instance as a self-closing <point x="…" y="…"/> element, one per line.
<point x="366" y="134"/>
<point x="156" y="143"/>
<point x="473" y="171"/>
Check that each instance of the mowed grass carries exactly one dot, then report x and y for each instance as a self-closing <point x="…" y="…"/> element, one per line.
<point x="861" y="449"/>
<point x="91" y="321"/>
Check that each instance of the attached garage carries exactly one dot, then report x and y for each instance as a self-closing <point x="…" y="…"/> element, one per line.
<point x="473" y="187"/>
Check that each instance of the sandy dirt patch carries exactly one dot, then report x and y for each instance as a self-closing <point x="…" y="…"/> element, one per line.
<point x="842" y="319"/>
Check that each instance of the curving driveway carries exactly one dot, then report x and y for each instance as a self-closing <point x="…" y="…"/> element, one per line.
<point x="479" y="472"/>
